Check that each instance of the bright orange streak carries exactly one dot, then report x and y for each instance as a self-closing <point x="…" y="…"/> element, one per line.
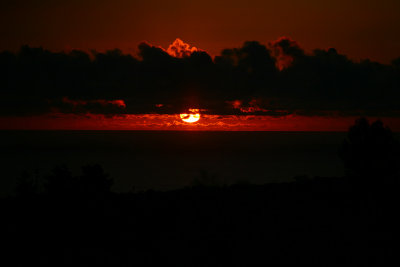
<point x="174" y="122"/>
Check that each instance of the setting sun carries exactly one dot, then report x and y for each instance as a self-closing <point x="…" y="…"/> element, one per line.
<point x="192" y="117"/>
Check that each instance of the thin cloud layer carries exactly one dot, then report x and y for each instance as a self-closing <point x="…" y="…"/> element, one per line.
<point x="275" y="79"/>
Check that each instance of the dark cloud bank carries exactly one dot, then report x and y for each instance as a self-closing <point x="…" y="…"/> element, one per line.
<point x="274" y="79"/>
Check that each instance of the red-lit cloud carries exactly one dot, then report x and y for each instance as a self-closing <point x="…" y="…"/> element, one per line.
<point x="253" y="106"/>
<point x="119" y="103"/>
<point x="180" y="49"/>
<point x="92" y="106"/>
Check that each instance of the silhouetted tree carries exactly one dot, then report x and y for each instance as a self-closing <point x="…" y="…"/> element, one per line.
<point x="370" y="151"/>
<point x="94" y="182"/>
<point x="26" y="185"/>
<point x="60" y="182"/>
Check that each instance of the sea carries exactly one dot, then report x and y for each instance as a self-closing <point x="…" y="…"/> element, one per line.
<point x="167" y="160"/>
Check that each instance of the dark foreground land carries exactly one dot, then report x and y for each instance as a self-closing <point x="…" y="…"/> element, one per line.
<point x="79" y="221"/>
<point x="331" y="221"/>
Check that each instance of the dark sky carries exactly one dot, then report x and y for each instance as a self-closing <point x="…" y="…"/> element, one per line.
<point x="278" y="59"/>
<point x="357" y="28"/>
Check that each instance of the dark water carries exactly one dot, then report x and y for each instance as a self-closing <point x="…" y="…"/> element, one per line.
<point x="168" y="160"/>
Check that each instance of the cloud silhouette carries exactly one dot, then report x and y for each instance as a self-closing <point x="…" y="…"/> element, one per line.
<point x="274" y="79"/>
<point x="285" y="51"/>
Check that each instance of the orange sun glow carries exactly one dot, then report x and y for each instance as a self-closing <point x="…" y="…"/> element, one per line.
<point x="192" y="117"/>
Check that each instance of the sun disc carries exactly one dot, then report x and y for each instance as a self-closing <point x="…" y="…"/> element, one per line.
<point x="190" y="118"/>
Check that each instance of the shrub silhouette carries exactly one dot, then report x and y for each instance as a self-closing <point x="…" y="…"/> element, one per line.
<point x="206" y="179"/>
<point x="92" y="183"/>
<point x="370" y="150"/>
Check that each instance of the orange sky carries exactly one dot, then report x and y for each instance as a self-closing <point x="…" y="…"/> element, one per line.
<point x="358" y="28"/>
